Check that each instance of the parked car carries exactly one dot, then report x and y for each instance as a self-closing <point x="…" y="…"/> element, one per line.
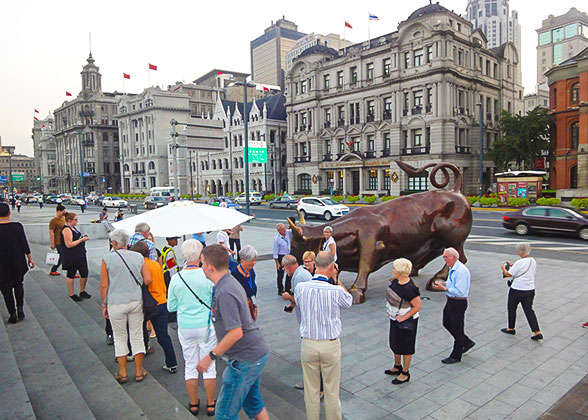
<point x="78" y="200"/>
<point x="321" y="207"/>
<point x="284" y="201"/>
<point x="154" y="202"/>
<point x="114" y="202"/>
<point x="231" y="204"/>
<point x="558" y="220"/>
<point x="52" y="199"/>
<point x="65" y="198"/>
<point x="254" y="198"/>
<point x="92" y="198"/>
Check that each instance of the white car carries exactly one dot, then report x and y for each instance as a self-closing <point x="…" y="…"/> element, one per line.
<point x="321" y="207"/>
<point x="254" y="198"/>
<point x="114" y="202"/>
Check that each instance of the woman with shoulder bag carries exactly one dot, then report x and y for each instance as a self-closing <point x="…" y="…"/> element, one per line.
<point x="244" y="273"/>
<point x="403" y="303"/>
<point x="521" y="276"/>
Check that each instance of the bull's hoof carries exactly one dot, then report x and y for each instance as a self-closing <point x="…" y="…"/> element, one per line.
<point x="358" y="296"/>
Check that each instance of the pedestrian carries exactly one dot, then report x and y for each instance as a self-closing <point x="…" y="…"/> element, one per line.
<point x="403" y="303"/>
<point x="157" y="251"/>
<point x="298" y="273"/>
<point x="119" y="215"/>
<point x="329" y="244"/>
<point x="74" y="258"/>
<point x="142" y="231"/>
<point x="308" y="260"/>
<point x="13" y="202"/>
<point x="55" y="227"/>
<point x="103" y="217"/>
<point x="245" y="274"/>
<point x="201" y="237"/>
<point x="222" y="203"/>
<point x="521" y="276"/>
<point x="320" y="304"/>
<point x="121" y="276"/>
<point x="14" y="247"/>
<point x="18" y="204"/>
<point x="222" y="238"/>
<point x="281" y="248"/>
<point x="456" y="288"/>
<point x="169" y="259"/>
<point x="235" y="239"/>
<point x="40" y="202"/>
<point x="82" y="206"/>
<point x="240" y="340"/>
<point x="158" y="290"/>
<point x="190" y="294"/>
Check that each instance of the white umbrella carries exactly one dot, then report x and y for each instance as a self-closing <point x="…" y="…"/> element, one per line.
<point x="184" y="218"/>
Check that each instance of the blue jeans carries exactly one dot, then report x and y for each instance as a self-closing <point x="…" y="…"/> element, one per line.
<point x="240" y="389"/>
<point x="159" y="323"/>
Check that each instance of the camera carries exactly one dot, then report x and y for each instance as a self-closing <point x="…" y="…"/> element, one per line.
<point x="507" y="267"/>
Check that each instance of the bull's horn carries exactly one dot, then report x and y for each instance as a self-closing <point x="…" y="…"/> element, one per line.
<point x="293" y="227"/>
<point x="300" y="217"/>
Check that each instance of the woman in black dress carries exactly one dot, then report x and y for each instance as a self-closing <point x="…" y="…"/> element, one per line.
<point x="403" y="303"/>
<point x="73" y="259"/>
<point x="245" y="274"/>
<point x="13" y="266"/>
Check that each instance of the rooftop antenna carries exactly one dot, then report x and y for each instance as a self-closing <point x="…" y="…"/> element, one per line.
<point x="90" y="41"/>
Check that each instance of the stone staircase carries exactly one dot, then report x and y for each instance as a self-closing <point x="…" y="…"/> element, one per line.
<point x="56" y="365"/>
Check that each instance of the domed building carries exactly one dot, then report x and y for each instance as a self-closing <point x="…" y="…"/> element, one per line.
<point x="409" y="95"/>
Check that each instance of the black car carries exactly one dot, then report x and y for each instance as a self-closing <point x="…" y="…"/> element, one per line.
<point x="558" y="220"/>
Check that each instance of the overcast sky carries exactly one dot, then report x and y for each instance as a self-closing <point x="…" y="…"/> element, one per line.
<point x="43" y="45"/>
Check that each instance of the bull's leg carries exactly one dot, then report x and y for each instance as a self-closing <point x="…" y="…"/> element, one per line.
<point x="462" y="255"/>
<point x="367" y="256"/>
<point x="439" y="275"/>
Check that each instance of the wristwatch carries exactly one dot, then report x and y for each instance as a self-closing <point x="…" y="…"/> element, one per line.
<point x="212" y="355"/>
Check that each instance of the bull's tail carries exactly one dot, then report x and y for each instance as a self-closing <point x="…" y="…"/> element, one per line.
<point x="443" y="166"/>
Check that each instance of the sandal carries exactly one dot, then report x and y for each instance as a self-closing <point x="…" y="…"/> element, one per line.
<point x="210" y="408"/>
<point x="121" y="379"/>
<point x="196" y="406"/>
<point x="139" y="378"/>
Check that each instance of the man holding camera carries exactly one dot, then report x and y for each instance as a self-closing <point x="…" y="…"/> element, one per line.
<point x="320" y="304"/>
<point x="457" y="289"/>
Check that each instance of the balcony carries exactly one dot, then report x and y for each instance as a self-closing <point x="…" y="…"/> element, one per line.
<point x="387" y="115"/>
<point x="327" y="158"/>
<point x="422" y="150"/>
<point x="428" y="108"/>
<point x="301" y="159"/>
<point x="140" y="172"/>
<point x="370" y="154"/>
<point x="463" y="150"/>
<point x="327" y="124"/>
<point x="417" y="110"/>
<point x="370" y="118"/>
<point x="354" y="120"/>
<point x="385" y="152"/>
<point x="340" y="122"/>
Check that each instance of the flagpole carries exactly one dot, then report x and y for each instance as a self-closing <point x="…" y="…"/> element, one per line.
<point x="124" y="91"/>
<point x="344" y="28"/>
<point x="369" y="29"/>
<point x="149" y="77"/>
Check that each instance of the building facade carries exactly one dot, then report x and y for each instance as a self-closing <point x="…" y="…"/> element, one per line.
<point x="331" y="40"/>
<point x="568" y="90"/>
<point x="45" y="155"/>
<point x="410" y="95"/>
<point x="538" y="99"/>
<point x="86" y="131"/>
<point x="21" y="167"/>
<point x="559" y="38"/>
<point x="268" y="52"/>
<point x="494" y="18"/>
<point x="223" y="172"/>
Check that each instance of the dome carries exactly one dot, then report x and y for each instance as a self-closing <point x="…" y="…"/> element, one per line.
<point x="427" y="10"/>
<point x="49" y="117"/>
<point x="319" y="49"/>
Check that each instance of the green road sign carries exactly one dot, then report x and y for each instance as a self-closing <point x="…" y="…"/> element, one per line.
<point x="18" y="177"/>
<point x="257" y="152"/>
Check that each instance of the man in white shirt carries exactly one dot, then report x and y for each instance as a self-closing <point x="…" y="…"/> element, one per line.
<point x="222" y="238"/>
<point x="319" y="303"/>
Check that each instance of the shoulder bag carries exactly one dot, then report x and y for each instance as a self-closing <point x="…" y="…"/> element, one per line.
<point x="407" y="325"/>
<point x="207" y="335"/>
<point x="511" y="279"/>
<point x="150" y="309"/>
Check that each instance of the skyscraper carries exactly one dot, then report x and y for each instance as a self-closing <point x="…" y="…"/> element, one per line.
<point x="495" y="20"/>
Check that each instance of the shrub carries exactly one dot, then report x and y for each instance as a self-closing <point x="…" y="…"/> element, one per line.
<point x="337" y="198"/>
<point x="352" y="198"/>
<point x="473" y="199"/>
<point x="543" y="201"/>
<point x="518" y="201"/>
<point x="370" y="199"/>
<point x="388" y="198"/>
<point x="580" y="203"/>
<point x="197" y="196"/>
<point x="269" y="197"/>
<point x="229" y="194"/>
<point x="488" y="201"/>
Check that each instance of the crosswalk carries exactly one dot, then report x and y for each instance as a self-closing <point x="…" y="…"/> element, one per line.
<point x="546" y="245"/>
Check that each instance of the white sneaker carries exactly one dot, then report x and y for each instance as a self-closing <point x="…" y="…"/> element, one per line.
<point x="172" y="369"/>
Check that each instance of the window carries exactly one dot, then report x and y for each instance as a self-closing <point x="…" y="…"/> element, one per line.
<point x="328" y="116"/>
<point x="460" y="57"/>
<point x="371" y="108"/>
<point x="341" y="146"/>
<point x="487" y="68"/>
<point x="387" y="179"/>
<point x="557" y="53"/>
<point x="406" y="59"/>
<point x="429" y="53"/>
<point x="575" y="135"/>
<point x="418" y="98"/>
<point x="573" y="177"/>
<point x="353" y="74"/>
<point x="373" y="180"/>
<point x="370" y="71"/>
<point x="495" y="73"/>
<point x="406" y="101"/>
<point x="571" y="30"/>
<point x="418" y="57"/>
<point x="328" y="147"/>
<point x="304" y="149"/>
<point x="418" y="183"/>
<point x="340" y="78"/>
<point x="296" y="88"/>
<point x="356" y="144"/>
<point x="371" y="143"/>
<point x="303" y="86"/>
<point x="387" y="66"/>
<point x="305" y="182"/>
<point x="386" y="141"/>
<point x="388" y="105"/>
<point x="417" y="137"/>
<point x="557" y="34"/>
<point x="326" y="80"/>
<point x="575" y="93"/>
<point x="429" y="96"/>
<point x="341" y="112"/>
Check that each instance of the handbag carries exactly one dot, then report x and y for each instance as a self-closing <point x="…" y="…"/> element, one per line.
<point x="511" y="279"/>
<point x="52" y="258"/>
<point x="409" y="324"/>
<point x="150" y="309"/>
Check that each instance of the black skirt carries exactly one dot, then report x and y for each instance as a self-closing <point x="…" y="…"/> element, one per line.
<point x="402" y="341"/>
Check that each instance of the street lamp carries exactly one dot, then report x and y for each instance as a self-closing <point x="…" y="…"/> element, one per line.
<point x="479" y="104"/>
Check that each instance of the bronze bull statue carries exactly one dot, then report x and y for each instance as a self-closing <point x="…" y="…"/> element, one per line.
<point x="418" y="227"/>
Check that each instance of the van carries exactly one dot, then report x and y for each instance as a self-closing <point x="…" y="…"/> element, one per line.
<point x="159" y="197"/>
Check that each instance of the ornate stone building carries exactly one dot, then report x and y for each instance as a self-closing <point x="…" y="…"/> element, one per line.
<point x="410" y="95"/>
<point x="45" y="155"/>
<point x="88" y="122"/>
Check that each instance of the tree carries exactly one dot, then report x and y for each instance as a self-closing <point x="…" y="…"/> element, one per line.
<point x="524" y="138"/>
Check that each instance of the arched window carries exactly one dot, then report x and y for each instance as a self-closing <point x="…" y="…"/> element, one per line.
<point x="304" y="182"/>
<point x="137" y="182"/>
<point x="144" y="182"/>
<point x="214" y="164"/>
<point x="575" y="93"/>
<point x="574" y="177"/>
<point x="126" y="168"/>
<point x="226" y="163"/>
<point x="151" y="165"/>
<point x="574" y="135"/>
<point x="220" y="163"/>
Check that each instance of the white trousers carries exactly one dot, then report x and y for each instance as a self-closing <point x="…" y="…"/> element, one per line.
<point x="194" y="348"/>
<point x="120" y="315"/>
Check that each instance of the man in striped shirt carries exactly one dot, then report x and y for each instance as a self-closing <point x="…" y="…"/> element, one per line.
<point x="320" y="304"/>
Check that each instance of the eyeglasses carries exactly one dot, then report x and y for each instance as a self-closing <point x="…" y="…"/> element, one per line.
<point x="307" y="261"/>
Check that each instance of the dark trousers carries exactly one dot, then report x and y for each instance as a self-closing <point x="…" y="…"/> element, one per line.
<point x="280" y="278"/>
<point x="59" y="249"/>
<point x="171" y="316"/>
<point x="237" y="243"/>
<point x="159" y="323"/>
<point x="11" y="291"/>
<point x="525" y="298"/>
<point x="454" y="322"/>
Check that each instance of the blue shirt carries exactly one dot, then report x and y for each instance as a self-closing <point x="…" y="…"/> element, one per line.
<point x="138" y="236"/>
<point x="201" y="237"/>
<point x="282" y="244"/>
<point x="458" y="281"/>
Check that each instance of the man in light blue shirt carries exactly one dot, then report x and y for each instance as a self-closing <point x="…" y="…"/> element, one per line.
<point x="457" y="288"/>
<point x="280" y="249"/>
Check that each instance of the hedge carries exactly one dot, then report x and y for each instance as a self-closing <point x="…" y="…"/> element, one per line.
<point x="388" y="198"/>
<point x="580" y="203"/>
<point x="269" y="197"/>
<point x="370" y="199"/>
<point x="488" y="201"/>
<point x="518" y="201"/>
<point x="352" y="198"/>
<point x="337" y="198"/>
<point x="543" y="201"/>
<point x="473" y="199"/>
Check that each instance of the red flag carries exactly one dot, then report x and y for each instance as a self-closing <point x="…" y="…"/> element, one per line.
<point x="347" y="25"/>
<point x="126" y="76"/>
<point x="36" y="110"/>
<point x="219" y="72"/>
<point x="67" y="93"/>
<point x="152" y="67"/>
<point x="36" y="119"/>
<point x="265" y="89"/>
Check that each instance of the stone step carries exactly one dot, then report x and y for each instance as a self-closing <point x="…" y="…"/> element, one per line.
<point x="150" y="396"/>
<point x="94" y="381"/>
<point x="14" y="400"/>
<point x="46" y="380"/>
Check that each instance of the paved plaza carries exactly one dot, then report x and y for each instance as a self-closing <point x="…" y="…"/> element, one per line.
<point x="501" y="377"/>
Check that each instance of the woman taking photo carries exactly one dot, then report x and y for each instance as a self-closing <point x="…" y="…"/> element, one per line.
<point x="403" y="303"/>
<point x="13" y="266"/>
<point x="190" y="294"/>
<point x="122" y="302"/>
<point x="245" y="274"/>
<point x="521" y="276"/>
<point x="73" y="258"/>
